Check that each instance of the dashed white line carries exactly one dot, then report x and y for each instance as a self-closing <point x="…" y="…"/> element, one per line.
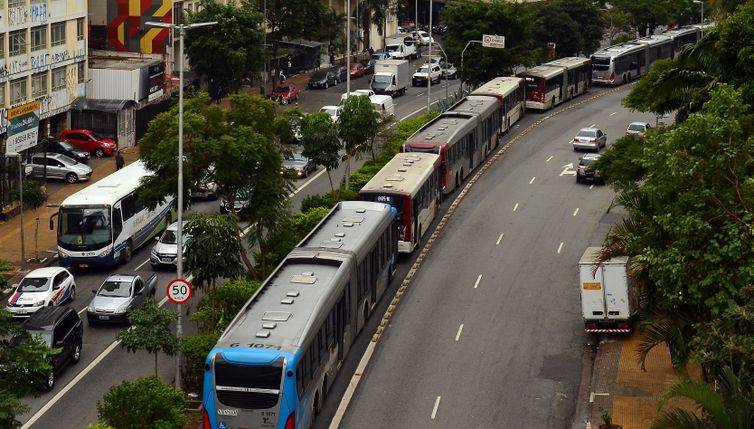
<point x="515" y="207"/>
<point x="592" y="126"/>
<point x="532" y="180"/>
<point x="560" y="247"/>
<point x="499" y="239"/>
<point x="575" y="212"/>
<point x="548" y="159"/>
<point x="434" y="410"/>
<point x="478" y="279"/>
<point x="591" y="186"/>
<point x="458" y="334"/>
<point x="613" y="113"/>
<point x="142" y="264"/>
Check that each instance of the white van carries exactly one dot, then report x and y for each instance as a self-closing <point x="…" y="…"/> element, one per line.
<point x="383" y="104"/>
<point x="368" y="92"/>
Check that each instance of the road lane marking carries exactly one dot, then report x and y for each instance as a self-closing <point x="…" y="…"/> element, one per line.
<point x="548" y="159"/>
<point x="515" y="207"/>
<point x="458" y="334"/>
<point x="478" y="279"/>
<point x="613" y="113"/>
<point x="434" y="410"/>
<point x="575" y="212"/>
<point x="301" y="188"/>
<point x="591" y="186"/>
<point x="560" y="247"/>
<point x="142" y="264"/>
<point x="499" y="239"/>
<point x="532" y="180"/>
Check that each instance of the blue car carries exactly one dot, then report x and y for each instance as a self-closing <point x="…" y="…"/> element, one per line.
<point x="381" y="55"/>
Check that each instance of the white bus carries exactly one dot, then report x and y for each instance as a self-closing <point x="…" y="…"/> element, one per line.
<point x="619" y="64"/>
<point x="552" y="83"/>
<point x="511" y="94"/>
<point x="103" y="223"/>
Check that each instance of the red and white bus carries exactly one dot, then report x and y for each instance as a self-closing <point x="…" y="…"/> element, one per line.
<point x="410" y="183"/>
<point x="489" y="115"/>
<point x="552" y="83"/>
<point x="510" y="92"/>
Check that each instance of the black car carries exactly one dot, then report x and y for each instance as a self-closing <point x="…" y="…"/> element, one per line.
<point x="368" y="66"/>
<point x="61" y="328"/>
<point x="341" y="74"/>
<point x="322" y="79"/>
<point x="63" y="147"/>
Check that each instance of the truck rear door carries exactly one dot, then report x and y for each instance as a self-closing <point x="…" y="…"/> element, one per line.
<point x="592" y="293"/>
<point x="616" y="291"/>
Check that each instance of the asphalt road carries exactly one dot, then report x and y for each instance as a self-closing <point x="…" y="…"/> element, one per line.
<point x="72" y="403"/>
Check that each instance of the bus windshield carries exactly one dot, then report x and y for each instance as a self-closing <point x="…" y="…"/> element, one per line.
<point x="84" y="228"/>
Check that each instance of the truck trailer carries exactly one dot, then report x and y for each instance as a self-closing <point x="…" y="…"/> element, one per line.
<point x="390" y="77"/>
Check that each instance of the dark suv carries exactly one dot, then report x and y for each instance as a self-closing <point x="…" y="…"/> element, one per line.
<point x="61" y="328"/>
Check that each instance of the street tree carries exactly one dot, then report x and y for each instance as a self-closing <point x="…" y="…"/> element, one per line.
<point x="144" y="402"/>
<point x="591" y="25"/>
<point x="356" y="126"/>
<point x="373" y="12"/>
<point x="467" y="21"/>
<point x="214" y="251"/>
<point x="646" y="15"/>
<point x="321" y="143"/>
<point x="230" y="52"/>
<point x="150" y="331"/>
<point x="554" y="25"/>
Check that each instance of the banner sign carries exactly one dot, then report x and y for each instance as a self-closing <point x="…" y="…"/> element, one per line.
<point x="23" y="127"/>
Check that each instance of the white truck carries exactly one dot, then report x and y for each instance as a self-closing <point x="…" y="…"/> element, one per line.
<point x="401" y="47"/>
<point x="608" y="296"/>
<point x="390" y="77"/>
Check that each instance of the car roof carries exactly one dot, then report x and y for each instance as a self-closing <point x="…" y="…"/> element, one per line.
<point x="45" y="318"/>
<point x="589" y="129"/>
<point x="639" y="123"/>
<point x="45" y="272"/>
<point x="590" y="157"/>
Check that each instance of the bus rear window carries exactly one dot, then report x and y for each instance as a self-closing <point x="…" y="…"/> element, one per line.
<point x="532" y="82"/>
<point x="247" y="386"/>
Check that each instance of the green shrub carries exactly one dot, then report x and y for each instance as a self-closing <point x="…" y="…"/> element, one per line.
<point x="303" y="223"/>
<point x="34" y="195"/>
<point x="316" y="201"/>
<point x="5" y="265"/>
<point x="195" y="351"/>
<point x="230" y="297"/>
<point x="143" y="403"/>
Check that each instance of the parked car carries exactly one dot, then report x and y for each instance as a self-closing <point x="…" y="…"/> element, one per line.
<point x="449" y="71"/>
<point x="322" y="79"/>
<point x="58" y="167"/>
<point x="60" y="328"/>
<point x="238" y="205"/>
<point x="42" y="287"/>
<point x="638" y="129"/>
<point x="589" y="138"/>
<point x="119" y="294"/>
<point x="64" y="148"/>
<point x="357" y="70"/>
<point x="333" y="111"/>
<point x="286" y="92"/>
<point x="584" y="173"/>
<point x="368" y="66"/>
<point x="165" y="251"/>
<point x="90" y="141"/>
<point x="341" y="74"/>
<point x="297" y="166"/>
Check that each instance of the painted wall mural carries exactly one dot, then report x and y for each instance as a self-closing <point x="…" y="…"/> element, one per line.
<point x="126" y="30"/>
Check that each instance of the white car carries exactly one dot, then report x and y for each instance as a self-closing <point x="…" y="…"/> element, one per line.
<point x="42" y="287"/>
<point x="368" y="92"/>
<point x="420" y="77"/>
<point x="424" y="38"/>
<point x="333" y="111"/>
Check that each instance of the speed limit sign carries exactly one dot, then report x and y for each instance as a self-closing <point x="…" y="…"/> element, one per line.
<point x="179" y="291"/>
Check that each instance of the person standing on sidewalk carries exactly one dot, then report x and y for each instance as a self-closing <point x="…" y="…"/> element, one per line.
<point x="119" y="161"/>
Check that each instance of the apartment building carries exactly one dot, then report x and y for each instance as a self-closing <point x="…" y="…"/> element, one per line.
<point x="43" y="57"/>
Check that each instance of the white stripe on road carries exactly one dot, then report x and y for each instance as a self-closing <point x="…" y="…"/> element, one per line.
<point x="499" y="239"/>
<point x="341" y="411"/>
<point x="458" y="334"/>
<point x="548" y="159"/>
<point x="560" y="247"/>
<point x="592" y="126"/>
<point x="575" y="212"/>
<point x="532" y="180"/>
<point x="515" y="207"/>
<point x="434" y="410"/>
<point x="478" y="279"/>
<point x="613" y="113"/>
<point x="142" y="264"/>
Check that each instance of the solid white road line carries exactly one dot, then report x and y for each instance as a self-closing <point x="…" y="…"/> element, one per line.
<point x="515" y="207"/>
<point x="548" y="159"/>
<point x="341" y="411"/>
<point x="458" y="334"/>
<point x="434" y="410"/>
<point x="478" y="279"/>
<point x="575" y="212"/>
<point x="499" y="239"/>
<point x="141" y="265"/>
<point x="560" y="247"/>
<point x="301" y="188"/>
<point x="532" y="180"/>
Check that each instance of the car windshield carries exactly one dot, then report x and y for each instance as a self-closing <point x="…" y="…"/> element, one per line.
<point x="422" y="70"/>
<point x="392" y="48"/>
<point x="586" y="161"/>
<point x="329" y="111"/>
<point x="298" y="157"/>
<point x="115" y="289"/>
<point x="97" y="136"/>
<point x="636" y="127"/>
<point x="169" y="237"/>
<point x="66" y="160"/>
<point x="67" y="146"/>
<point x="34" y="284"/>
<point x="44" y="336"/>
<point x="586" y="133"/>
<point x="84" y="227"/>
<point x="319" y="76"/>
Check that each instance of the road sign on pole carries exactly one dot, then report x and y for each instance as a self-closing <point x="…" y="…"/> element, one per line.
<point x="23" y="127"/>
<point x="493" y="41"/>
<point x="179" y="291"/>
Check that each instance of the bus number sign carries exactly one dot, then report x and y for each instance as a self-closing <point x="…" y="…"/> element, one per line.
<point x="179" y="291"/>
<point x="384" y="199"/>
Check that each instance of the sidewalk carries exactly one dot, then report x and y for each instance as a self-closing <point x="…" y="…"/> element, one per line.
<point x="10" y="230"/>
<point x="629" y="394"/>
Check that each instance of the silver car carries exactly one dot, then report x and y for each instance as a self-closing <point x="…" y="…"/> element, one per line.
<point x="589" y="139"/>
<point x="119" y="294"/>
<point x="59" y="166"/>
<point x="165" y="252"/>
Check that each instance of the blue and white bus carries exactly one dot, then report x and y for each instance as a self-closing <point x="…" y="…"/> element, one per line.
<point x="105" y="222"/>
<point x="276" y="362"/>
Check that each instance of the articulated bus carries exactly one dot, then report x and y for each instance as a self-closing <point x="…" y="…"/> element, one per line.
<point x="489" y="115"/>
<point x="455" y="137"/>
<point x="276" y="362"/>
<point x="619" y="64"/>
<point x="552" y="83"/>
<point x="105" y="222"/>
<point x="658" y="47"/>
<point x="510" y="92"/>
<point x="410" y="183"/>
<point x="577" y="77"/>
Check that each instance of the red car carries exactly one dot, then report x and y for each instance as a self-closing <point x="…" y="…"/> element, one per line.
<point x="357" y="70"/>
<point x="90" y="141"/>
<point x="286" y="92"/>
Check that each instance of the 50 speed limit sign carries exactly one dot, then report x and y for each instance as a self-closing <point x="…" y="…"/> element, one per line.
<point x="179" y="291"/>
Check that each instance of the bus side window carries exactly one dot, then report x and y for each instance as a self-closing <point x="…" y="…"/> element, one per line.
<point x="117" y="222"/>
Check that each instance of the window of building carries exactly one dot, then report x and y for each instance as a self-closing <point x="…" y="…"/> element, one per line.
<point x="58" y="78"/>
<point x="18" y="91"/>
<point x="2" y="44"/>
<point x="37" y="1"/>
<point x="2" y="95"/>
<point x="39" y="38"/>
<point x="80" y="29"/>
<point x="16" y="3"/>
<point x="38" y="85"/>
<point x="80" y="68"/>
<point x="58" y="33"/>
<point x="17" y="42"/>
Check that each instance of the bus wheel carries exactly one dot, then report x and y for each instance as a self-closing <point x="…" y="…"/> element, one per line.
<point x="128" y="252"/>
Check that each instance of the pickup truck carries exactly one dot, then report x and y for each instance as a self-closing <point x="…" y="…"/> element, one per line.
<point x="119" y="294"/>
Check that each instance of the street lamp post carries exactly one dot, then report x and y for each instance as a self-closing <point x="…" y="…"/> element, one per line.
<point x="181" y="28"/>
<point x="21" y="206"/>
<point x="701" y="3"/>
<point x="463" y="52"/>
<point x="446" y="65"/>
<point x="348" y="49"/>
<point x="429" y="63"/>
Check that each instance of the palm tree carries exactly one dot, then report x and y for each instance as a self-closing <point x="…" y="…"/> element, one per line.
<point x="729" y="407"/>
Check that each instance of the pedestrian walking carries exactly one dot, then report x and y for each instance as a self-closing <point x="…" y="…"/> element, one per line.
<point x="119" y="161"/>
<point x="281" y="76"/>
